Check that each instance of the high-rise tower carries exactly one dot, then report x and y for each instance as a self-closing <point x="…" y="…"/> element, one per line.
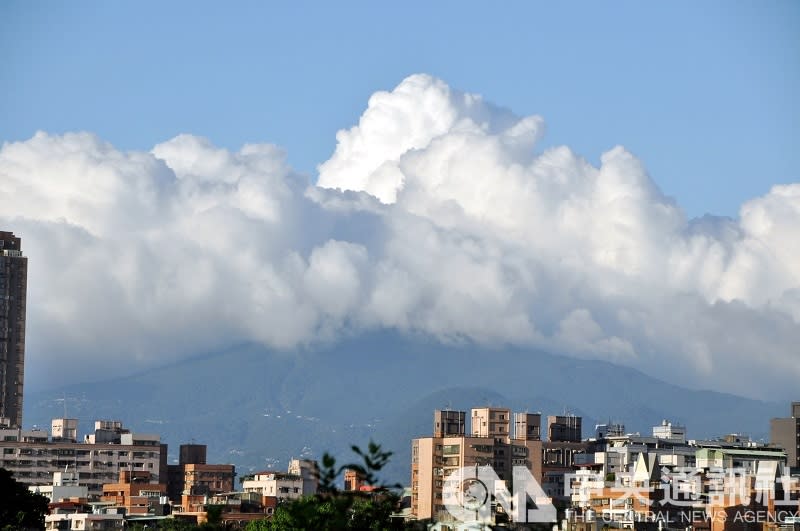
<point x="13" y="289"/>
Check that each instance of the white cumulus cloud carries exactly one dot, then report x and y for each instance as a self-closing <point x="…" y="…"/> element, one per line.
<point x="436" y="214"/>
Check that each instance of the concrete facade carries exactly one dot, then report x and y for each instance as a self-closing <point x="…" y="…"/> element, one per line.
<point x="686" y="477"/>
<point x="492" y="422"/>
<point x="280" y="485"/>
<point x="136" y="493"/>
<point x="193" y="477"/>
<point x="308" y="469"/>
<point x="491" y="443"/>
<point x="669" y="431"/>
<point x="193" y="453"/>
<point x="564" y="428"/>
<point x="65" y="486"/>
<point x="65" y="430"/>
<point x="84" y="521"/>
<point x="34" y="457"/>
<point x="785" y="432"/>
<point x="448" y="422"/>
<point x="353" y="480"/>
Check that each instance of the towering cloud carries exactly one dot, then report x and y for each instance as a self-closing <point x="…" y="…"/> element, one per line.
<point x="436" y="214"/>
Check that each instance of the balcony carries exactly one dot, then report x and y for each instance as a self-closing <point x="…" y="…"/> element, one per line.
<point x="451" y="449"/>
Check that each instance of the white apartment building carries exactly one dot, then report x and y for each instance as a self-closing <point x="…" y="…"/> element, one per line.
<point x="34" y="457"/>
<point x="309" y="471"/>
<point x="65" y="485"/>
<point x="670" y="465"/>
<point x="278" y="484"/>
<point x="84" y="522"/>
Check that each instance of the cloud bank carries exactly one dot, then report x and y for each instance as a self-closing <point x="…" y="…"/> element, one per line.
<point x="435" y="215"/>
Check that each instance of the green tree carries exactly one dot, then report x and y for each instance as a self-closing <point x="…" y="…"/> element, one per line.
<point x="20" y="509"/>
<point x="214" y="523"/>
<point x="333" y="509"/>
<point x="174" y="524"/>
<point x="213" y="518"/>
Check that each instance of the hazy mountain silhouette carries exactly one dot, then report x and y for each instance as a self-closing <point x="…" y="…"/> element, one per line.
<point x="257" y="408"/>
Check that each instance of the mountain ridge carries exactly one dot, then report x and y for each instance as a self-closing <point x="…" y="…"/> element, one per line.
<point x="257" y="408"/>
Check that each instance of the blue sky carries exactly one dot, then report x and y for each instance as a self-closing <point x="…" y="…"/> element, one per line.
<point x="705" y="93"/>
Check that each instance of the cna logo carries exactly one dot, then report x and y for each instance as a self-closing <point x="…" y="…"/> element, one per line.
<point x="468" y="493"/>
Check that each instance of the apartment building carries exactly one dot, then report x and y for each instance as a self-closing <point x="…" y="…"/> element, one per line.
<point x="785" y="432"/>
<point x="269" y="488"/>
<point x="564" y="428"/>
<point x="353" y="480"/>
<point x="446" y="421"/>
<point x="65" y="486"/>
<point x="83" y="521"/>
<point x="698" y="502"/>
<point x="194" y="479"/>
<point x="34" y="456"/>
<point x="563" y="446"/>
<point x="491" y="442"/>
<point x="13" y="297"/>
<point x="137" y="494"/>
<point x="669" y="431"/>
<point x="494" y="422"/>
<point x="271" y="484"/>
<point x="308" y="469"/>
<point x="686" y="477"/>
<point x="613" y="452"/>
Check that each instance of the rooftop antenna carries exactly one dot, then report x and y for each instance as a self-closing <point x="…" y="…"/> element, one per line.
<point x="64" y="403"/>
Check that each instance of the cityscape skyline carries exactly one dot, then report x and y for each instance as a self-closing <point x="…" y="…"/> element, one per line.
<point x="672" y="477"/>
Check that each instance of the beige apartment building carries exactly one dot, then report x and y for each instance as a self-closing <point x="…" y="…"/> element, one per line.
<point x="491" y="442"/>
<point x="34" y="456"/>
<point x="353" y="480"/>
